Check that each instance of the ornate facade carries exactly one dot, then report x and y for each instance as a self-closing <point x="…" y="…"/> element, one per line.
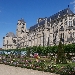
<point x="47" y="32"/>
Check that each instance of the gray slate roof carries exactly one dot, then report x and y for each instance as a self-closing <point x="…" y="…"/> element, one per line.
<point x="63" y="12"/>
<point x="33" y="27"/>
<point x="10" y="34"/>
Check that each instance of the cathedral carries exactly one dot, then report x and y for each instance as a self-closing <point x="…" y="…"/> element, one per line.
<point x="47" y="31"/>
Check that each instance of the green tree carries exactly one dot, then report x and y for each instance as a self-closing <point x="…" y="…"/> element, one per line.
<point x="60" y="54"/>
<point x="39" y="50"/>
<point x="28" y="49"/>
<point x="34" y="49"/>
<point x="45" y="51"/>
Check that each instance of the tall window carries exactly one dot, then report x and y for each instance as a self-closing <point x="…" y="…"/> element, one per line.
<point x="74" y="22"/>
<point x="73" y="34"/>
<point x="7" y="41"/>
<point x="63" y="35"/>
<point x="48" y="42"/>
<point x="70" y="23"/>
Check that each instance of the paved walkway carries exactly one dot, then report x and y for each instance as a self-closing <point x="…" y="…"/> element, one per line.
<point x="10" y="70"/>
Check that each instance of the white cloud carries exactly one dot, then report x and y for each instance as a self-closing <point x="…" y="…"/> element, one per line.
<point x="5" y="23"/>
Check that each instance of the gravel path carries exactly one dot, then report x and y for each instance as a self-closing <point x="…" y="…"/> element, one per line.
<point x="10" y="70"/>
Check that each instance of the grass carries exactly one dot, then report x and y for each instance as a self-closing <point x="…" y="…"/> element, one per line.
<point x="65" y="65"/>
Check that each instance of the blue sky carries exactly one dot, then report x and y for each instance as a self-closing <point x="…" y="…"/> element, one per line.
<point x="13" y="10"/>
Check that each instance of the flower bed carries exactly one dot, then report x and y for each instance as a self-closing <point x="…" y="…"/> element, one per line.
<point x="41" y="65"/>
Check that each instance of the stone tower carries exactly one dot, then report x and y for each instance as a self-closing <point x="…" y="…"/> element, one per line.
<point x="21" y="28"/>
<point x="20" y="33"/>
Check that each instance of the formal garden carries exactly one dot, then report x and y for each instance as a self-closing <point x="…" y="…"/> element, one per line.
<point x="55" y="59"/>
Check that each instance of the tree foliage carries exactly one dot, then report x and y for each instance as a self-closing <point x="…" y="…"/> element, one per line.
<point x="42" y="50"/>
<point x="60" y="54"/>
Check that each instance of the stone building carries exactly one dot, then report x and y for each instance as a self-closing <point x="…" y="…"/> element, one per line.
<point x="47" y="31"/>
<point x="9" y="41"/>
